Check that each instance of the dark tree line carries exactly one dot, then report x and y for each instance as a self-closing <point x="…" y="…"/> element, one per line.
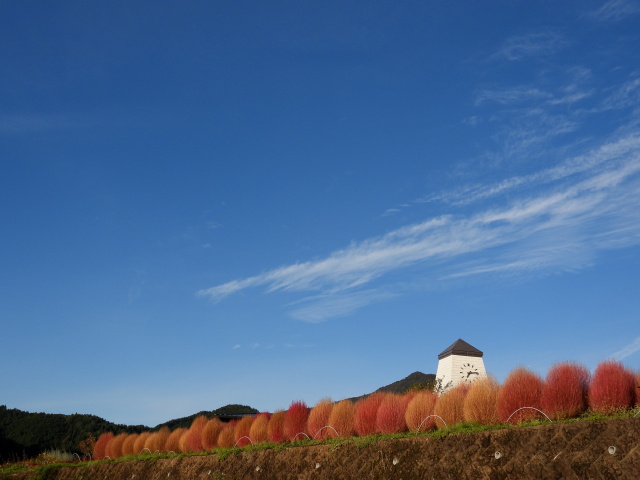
<point x="26" y="435"/>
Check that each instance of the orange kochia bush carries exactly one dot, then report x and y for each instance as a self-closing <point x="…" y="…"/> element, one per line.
<point x="127" y="445"/>
<point x="418" y="409"/>
<point x="114" y="448"/>
<point x="612" y="387"/>
<point x="241" y="432"/>
<point x="319" y="418"/>
<point x="450" y="406"/>
<point x="342" y="418"/>
<point x="480" y="402"/>
<point x="258" y="431"/>
<point x="138" y="444"/>
<point x="565" y="391"/>
<point x="210" y="433"/>
<point x="522" y="388"/>
<point x="173" y="441"/>
<point x="226" y="438"/>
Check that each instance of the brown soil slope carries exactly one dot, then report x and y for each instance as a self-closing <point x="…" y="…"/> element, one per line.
<point x="578" y="450"/>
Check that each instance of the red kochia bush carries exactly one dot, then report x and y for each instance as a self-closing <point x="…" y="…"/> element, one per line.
<point x="565" y="390"/>
<point x="450" y="406"/>
<point x="612" y="387"/>
<point x="638" y="389"/>
<point x="275" y="428"/>
<point x="210" y="433"/>
<point x="522" y="388"/>
<point x="319" y="418"/>
<point x="366" y="413"/>
<point x="390" y="414"/>
<point x="100" y="448"/>
<point x="342" y="419"/>
<point x="258" y="430"/>
<point x="241" y="432"/>
<point x="418" y="409"/>
<point x="480" y="402"/>
<point x="295" y="420"/>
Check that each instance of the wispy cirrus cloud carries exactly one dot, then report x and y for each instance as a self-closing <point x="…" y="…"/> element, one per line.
<point x="522" y="46"/>
<point x="594" y="208"/>
<point x="628" y="350"/>
<point x="511" y="95"/>
<point x="318" y="308"/>
<point x="614" y="10"/>
<point x="614" y="151"/>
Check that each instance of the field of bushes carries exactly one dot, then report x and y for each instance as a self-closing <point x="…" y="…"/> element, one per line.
<point x="568" y="391"/>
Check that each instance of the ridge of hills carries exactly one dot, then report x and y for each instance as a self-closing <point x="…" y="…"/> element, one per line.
<point x="25" y="434"/>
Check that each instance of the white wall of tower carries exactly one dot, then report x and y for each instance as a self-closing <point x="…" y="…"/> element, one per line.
<point x="449" y="369"/>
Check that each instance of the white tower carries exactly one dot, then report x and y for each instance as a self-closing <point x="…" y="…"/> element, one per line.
<point x="460" y="363"/>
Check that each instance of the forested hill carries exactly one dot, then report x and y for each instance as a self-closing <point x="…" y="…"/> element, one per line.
<point x="25" y="434"/>
<point x="411" y="381"/>
<point x="223" y="412"/>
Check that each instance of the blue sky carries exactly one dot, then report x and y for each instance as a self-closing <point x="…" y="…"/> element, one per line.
<point x="222" y="202"/>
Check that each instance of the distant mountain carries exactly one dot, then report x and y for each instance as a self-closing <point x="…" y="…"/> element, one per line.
<point x="406" y="383"/>
<point x="401" y="386"/>
<point x="224" y="413"/>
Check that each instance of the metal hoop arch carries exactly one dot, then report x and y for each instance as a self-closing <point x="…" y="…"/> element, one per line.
<point x="326" y="426"/>
<point x="242" y="438"/>
<point x="532" y="408"/>
<point x="427" y="418"/>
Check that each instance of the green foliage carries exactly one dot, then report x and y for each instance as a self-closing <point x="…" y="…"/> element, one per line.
<point x="434" y="385"/>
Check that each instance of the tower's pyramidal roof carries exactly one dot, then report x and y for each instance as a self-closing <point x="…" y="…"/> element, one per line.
<point x="460" y="347"/>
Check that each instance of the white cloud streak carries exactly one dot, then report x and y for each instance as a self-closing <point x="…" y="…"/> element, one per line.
<point x="519" y="47"/>
<point x="596" y="210"/>
<point x="615" y="10"/>
<point x="628" y="350"/>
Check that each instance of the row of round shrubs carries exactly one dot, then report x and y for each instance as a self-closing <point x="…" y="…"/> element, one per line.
<point x="568" y="391"/>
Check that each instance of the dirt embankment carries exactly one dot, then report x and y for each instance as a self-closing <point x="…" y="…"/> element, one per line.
<point x="604" y="449"/>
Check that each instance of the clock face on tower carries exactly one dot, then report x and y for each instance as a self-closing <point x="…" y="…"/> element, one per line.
<point x="468" y="372"/>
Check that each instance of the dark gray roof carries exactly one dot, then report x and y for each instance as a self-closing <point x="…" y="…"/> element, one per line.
<point x="460" y="347"/>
